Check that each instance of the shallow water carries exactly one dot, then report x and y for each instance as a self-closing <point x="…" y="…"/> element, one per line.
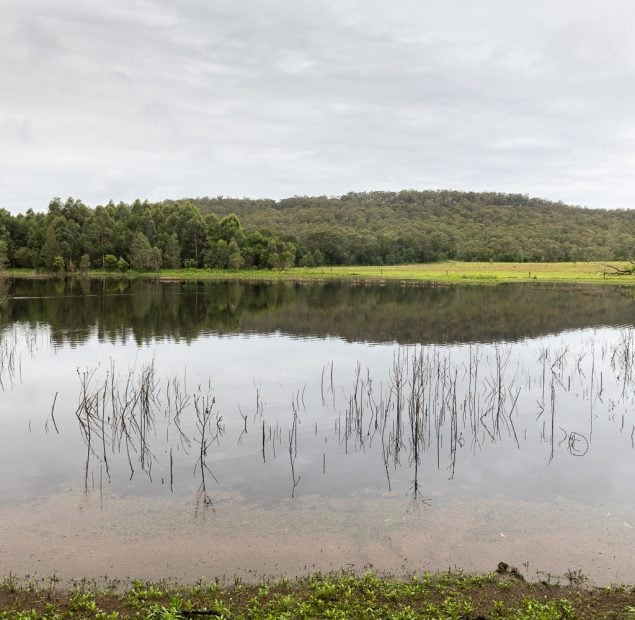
<point x="152" y="430"/>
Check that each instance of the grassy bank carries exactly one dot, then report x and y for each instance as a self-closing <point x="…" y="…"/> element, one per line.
<point x="450" y="272"/>
<point x="443" y="596"/>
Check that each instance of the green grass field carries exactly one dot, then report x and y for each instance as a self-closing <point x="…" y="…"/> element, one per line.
<point x="443" y="272"/>
<point x="458" y="272"/>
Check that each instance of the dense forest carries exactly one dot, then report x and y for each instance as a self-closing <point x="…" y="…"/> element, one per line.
<point x="372" y="228"/>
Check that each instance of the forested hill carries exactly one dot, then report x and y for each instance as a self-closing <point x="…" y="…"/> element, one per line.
<point x="358" y="228"/>
<point x="411" y="226"/>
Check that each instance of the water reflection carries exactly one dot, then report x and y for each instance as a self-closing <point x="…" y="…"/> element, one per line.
<point x="431" y="409"/>
<point x="143" y="311"/>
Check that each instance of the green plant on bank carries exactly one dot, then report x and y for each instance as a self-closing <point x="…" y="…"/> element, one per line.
<point x="443" y="596"/>
<point x="83" y="601"/>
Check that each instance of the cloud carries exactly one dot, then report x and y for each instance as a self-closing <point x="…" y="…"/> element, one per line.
<point x="15" y="129"/>
<point x="277" y="97"/>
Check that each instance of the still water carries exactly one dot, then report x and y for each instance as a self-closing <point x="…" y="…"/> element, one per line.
<point x="178" y="430"/>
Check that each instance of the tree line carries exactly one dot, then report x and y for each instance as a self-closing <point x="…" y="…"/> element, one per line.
<point x="144" y="236"/>
<point x="370" y="228"/>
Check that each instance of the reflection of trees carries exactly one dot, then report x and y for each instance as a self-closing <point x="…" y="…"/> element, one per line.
<point x="3" y="299"/>
<point x="149" y="309"/>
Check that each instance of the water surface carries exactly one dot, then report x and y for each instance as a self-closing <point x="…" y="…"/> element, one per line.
<point x="200" y="430"/>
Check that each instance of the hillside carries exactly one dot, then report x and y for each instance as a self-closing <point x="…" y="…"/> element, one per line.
<point x="375" y="228"/>
<point x="410" y="226"/>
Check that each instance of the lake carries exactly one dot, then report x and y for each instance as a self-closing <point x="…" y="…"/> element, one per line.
<point x="207" y="430"/>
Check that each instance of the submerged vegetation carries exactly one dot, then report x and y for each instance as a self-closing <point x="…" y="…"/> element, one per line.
<point x="444" y="596"/>
<point x="376" y="228"/>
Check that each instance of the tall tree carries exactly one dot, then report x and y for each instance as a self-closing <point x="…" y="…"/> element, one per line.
<point x="140" y="252"/>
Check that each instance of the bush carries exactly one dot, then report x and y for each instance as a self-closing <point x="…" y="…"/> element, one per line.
<point x="58" y="263"/>
<point x="110" y="262"/>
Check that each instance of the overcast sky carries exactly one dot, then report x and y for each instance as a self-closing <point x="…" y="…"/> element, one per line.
<point x="125" y="99"/>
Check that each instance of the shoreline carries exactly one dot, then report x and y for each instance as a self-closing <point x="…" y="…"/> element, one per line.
<point x="500" y="594"/>
<point x="445" y="273"/>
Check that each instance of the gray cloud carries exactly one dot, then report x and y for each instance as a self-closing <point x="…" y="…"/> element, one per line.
<point x="157" y="99"/>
